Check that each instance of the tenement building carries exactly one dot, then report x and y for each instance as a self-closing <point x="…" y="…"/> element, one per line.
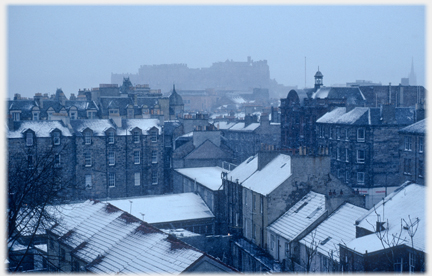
<point x="363" y="143"/>
<point x="100" y="158"/>
<point x="302" y="107"/>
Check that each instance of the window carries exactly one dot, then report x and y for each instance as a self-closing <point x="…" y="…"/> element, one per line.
<point x="30" y="161"/>
<point x="262" y="204"/>
<point x="154" y="136"/>
<point x="338" y="133"/>
<point x="360" y="135"/>
<point x="420" y="144"/>
<point x="411" y="257"/>
<point x="346" y="134"/>
<point x="56" y="138"/>
<point x="35" y="116"/>
<point x="253" y="231"/>
<point x="360" y="178"/>
<point x="111" y="137"/>
<point x="91" y="115"/>
<point x="154" y="156"/>
<point x="57" y="160"/>
<point x="398" y="265"/>
<point x="407" y="166"/>
<point x="88" y="181"/>
<point x="137" y="179"/>
<point x="111" y="179"/>
<point x="408" y="144"/>
<point x="136" y="157"/>
<point x="87" y="138"/>
<point x="16" y="116"/>
<point x="29" y="139"/>
<point x="338" y="154"/>
<point x="360" y="156"/>
<point x="154" y="178"/>
<point x="321" y="131"/>
<point x="330" y="133"/>
<point x="421" y="168"/>
<point x="111" y="158"/>
<point x="73" y="116"/>
<point x="346" y="155"/>
<point x="136" y="136"/>
<point x="87" y="159"/>
<point x="286" y="249"/>
<point x="347" y="176"/>
<point x="50" y="113"/>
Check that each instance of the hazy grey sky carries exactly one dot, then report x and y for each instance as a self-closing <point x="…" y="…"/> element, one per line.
<point x="73" y="47"/>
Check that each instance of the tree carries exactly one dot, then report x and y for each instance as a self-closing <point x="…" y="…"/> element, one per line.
<point x="34" y="183"/>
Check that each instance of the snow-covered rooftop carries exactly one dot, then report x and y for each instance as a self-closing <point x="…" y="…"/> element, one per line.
<point x="41" y="129"/>
<point x="299" y="217"/>
<point x="406" y="204"/>
<point x="165" y="208"/>
<point x="416" y="128"/>
<point x="242" y="127"/>
<point x="244" y="170"/>
<point x="113" y="241"/>
<point x="338" y="116"/>
<point x="210" y="177"/>
<point x="339" y="227"/>
<point x="98" y="126"/>
<point x="143" y="124"/>
<point x="267" y="179"/>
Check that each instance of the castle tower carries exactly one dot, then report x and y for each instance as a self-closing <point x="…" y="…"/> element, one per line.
<point x="176" y="105"/>
<point x="318" y="79"/>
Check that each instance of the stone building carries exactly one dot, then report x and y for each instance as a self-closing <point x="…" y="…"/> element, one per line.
<point x="265" y="186"/>
<point x="100" y="158"/>
<point x="412" y="153"/>
<point x="302" y="107"/>
<point x="248" y="137"/>
<point x="363" y="143"/>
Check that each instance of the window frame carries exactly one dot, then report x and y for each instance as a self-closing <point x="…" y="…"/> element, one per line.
<point x="154" y="157"/>
<point x="361" y="180"/>
<point x="137" y="157"/>
<point x="137" y="179"/>
<point x="56" y="138"/>
<point x="359" y="159"/>
<point x="361" y="138"/>
<point x="111" y="179"/>
<point x="88" y="181"/>
<point x="111" y="158"/>
<point x="29" y="139"/>
<point x="87" y="159"/>
<point x="87" y="138"/>
<point x="136" y="136"/>
<point x="407" y="143"/>
<point x="111" y="137"/>
<point x="421" y="144"/>
<point x="154" y="178"/>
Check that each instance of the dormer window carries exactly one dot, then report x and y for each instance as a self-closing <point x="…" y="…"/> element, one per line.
<point x="154" y="136"/>
<point x="35" y="115"/>
<point x="136" y="136"/>
<point x="87" y="138"/>
<point x="16" y="116"/>
<point x="29" y="139"/>
<point x="73" y="115"/>
<point x="111" y="137"/>
<point x="56" y="138"/>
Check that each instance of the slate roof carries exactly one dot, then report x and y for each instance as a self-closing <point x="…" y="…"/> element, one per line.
<point x="166" y="208"/>
<point x="41" y="128"/>
<point x="113" y="241"/>
<point x="98" y="126"/>
<point x="339" y="227"/>
<point x="267" y="179"/>
<point x="183" y="150"/>
<point x="144" y="124"/>
<point x="299" y="217"/>
<point x="365" y="116"/>
<point x="352" y="94"/>
<point x="416" y="128"/>
<point x="244" y="170"/>
<point x="407" y="203"/>
<point x="209" y="177"/>
<point x="241" y="127"/>
<point x="208" y="150"/>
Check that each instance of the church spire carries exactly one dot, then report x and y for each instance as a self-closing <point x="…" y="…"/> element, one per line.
<point x="412" y="76"/>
